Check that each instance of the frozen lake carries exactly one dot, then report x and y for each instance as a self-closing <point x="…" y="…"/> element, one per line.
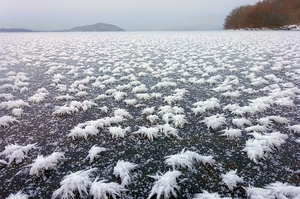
<point x="209" y="112"/>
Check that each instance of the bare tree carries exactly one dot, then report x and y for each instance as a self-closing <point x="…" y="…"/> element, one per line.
<point x="264" y="14"/>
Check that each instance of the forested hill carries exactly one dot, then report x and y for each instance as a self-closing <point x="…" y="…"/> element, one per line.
<point x="270" y="14"/>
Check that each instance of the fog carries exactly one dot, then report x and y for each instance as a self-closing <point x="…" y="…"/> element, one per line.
<point x="128" y="14"/>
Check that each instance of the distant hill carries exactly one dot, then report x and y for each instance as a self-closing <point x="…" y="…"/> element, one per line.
<point x="98" y="27"/>
<point x="14" y="30"/>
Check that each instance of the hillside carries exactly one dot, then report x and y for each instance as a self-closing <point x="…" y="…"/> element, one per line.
<point x="99" y="27"/>
<point x="271" y="14"/>
<point x="14" y="30"/>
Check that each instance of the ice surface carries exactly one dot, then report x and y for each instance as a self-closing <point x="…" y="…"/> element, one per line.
<point x="230" y="99"/>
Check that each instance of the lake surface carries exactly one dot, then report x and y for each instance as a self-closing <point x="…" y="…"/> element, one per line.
<point x="252" y="75"/>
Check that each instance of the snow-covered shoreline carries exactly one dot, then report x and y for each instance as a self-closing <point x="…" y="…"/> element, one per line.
<point x="293" y="27"/>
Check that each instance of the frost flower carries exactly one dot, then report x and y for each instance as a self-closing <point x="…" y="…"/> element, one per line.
<point x="261" y="144"/>
<point x="294" y="128"/>
<point x="150" y="133"/>
<point x="186" y="159"/>
<point x="17" y="152"/>
<point x="94" y="151"/>
<point x="42" y="164"/>
<point x="214" y="121"/>
<point x="232" y="133"/>
<point x="274" y="190"/>
<point x="166" y="185"/>
<point x="231" y="179"/>
<point x="207" y="195"/>
<point x="83" y="130"/>
<point x="122" y="170"/>
<point x="18" y="195"/>
<point x="102" y="190"/>
<point x="117" y="131"/>
<point x="168" y="130"/>
<point x="79" y="182"/>
<point x="6" y="120"/>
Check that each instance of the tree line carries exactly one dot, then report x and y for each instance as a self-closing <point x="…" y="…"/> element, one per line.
<point x="264" y="14"/>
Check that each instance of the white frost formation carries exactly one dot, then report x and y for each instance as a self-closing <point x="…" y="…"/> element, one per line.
<point x="123" y="170"/>
<point x="207" y="195"/>
<point x="94" y="151"/>
<point x="103" y="190"/>
<point x="16" y="152"/>
<point x="149" y="132"/>
<point x="186" y="159"/>
<point x="79" y="181"/>
<point x="214" y="121"/>
<point x="166" y="185"/>
<point x="231" y="179"/>
<point x="261" y="144"/>
<point x="42" y="163"/>
<point x="274" y="190"/>
<point x="18" y="195"/>
<point x="6" y="120"/>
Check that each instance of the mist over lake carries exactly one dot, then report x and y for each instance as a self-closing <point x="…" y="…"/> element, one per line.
<point x="159" y="114"/>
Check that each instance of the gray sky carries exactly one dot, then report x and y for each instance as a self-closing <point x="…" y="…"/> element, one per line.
<point x="127" y="14"/>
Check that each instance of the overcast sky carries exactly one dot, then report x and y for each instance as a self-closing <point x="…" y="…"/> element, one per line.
<point x="127" y="14"/>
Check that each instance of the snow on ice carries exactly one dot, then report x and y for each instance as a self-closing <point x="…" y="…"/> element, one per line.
<point x="213" y="114"/>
